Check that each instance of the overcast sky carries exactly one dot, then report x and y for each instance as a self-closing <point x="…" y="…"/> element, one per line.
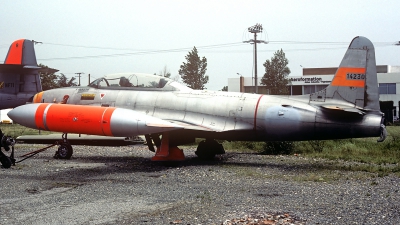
<point x="102" y="37"/>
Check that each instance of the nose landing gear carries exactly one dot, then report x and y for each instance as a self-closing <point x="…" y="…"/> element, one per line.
<point x="65" y="150"/>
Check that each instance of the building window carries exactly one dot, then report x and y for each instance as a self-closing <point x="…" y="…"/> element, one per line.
<point x="297" y="90"/>
<point x="387" y="88"/>
<point x="308" y="89"/>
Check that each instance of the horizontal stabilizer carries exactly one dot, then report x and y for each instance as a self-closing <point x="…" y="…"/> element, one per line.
<point x="11" y="68"/>
<point x="343" y="109"/>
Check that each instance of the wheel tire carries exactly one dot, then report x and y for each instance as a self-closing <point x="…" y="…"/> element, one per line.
<point x="204" y="151"/>
<point x="5" y="161"/>
<point x="64" y="152"/>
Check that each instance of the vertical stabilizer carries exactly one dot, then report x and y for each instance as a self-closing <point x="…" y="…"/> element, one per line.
<point x="21" y="52"/>
<point x="355" y="82"/>
<point x="19" y="75"/>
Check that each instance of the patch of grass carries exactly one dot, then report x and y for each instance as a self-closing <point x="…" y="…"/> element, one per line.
<point x="323" y="176"/>
<point x="244" y="146"/>
<point x="15" y="130"/>
<point x="361" y="155"/>
<point x="364" y="150"/>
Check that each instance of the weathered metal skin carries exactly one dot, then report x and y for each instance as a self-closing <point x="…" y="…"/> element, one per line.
<point x="348" y="108"/>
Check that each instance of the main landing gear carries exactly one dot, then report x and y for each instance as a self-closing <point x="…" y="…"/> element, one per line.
<point x="165" y="152"/>
<point x="65" y="150"/>
<point x="206" y="150"/>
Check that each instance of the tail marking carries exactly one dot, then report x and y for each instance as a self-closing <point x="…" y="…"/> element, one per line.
<point x="14" y="55"/>
<point x="349" y="77"/>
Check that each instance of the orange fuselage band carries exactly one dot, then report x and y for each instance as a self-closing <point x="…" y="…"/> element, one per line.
<point x="74" y="119"/>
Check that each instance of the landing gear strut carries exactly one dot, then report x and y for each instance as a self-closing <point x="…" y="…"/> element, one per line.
<point x="165" y="152"/>
<point x="208" y="148"/>
<point x="65" y="150"/>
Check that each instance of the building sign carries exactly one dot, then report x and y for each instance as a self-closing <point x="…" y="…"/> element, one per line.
<point x="304" y="80"/>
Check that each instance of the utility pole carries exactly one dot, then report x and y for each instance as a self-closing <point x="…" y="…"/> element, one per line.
<point x="79" y="77"/>
<point x="255" y="29"/>
<point x="37" y="42"/>
<point x="89" y="78"/>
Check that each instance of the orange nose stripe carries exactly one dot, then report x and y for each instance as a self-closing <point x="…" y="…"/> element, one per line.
<point x="38" y="97"/>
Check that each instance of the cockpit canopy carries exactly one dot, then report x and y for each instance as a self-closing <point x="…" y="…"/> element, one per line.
<point x="137" y="81"/>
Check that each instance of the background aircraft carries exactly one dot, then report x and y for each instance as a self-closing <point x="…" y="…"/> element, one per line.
<point x="19" y="75"/>
<point x="131" y="104"/>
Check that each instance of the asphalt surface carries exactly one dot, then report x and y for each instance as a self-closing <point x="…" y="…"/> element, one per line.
<point x="120" y="185"/>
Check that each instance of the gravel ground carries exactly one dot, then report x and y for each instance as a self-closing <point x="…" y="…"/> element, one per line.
<point x="120" y="185"/>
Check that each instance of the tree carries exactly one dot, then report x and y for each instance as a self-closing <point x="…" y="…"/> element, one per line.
<point x="225" y="88"/>
<point x="48" y="78"/>
<point x="165" y="72"/>
<point x="64" y="82"/>
<point x="276" y="73"/>
<point x="193" y="71"/>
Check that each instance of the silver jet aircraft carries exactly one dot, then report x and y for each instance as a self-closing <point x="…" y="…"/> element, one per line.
<point x="129" y="104"/>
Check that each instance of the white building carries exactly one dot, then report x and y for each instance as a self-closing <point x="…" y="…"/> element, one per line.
<point x="315" y="79"/>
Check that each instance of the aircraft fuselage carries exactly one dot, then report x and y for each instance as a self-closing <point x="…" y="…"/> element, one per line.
<point x="232" y="116"/>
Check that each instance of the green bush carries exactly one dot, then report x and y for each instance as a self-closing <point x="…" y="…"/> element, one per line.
<point x="278" y="147"/>
<point x="317" y="145"/>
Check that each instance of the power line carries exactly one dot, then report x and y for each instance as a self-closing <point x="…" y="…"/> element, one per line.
<point x="222" y="45"/>
<point x="144" y="52"/>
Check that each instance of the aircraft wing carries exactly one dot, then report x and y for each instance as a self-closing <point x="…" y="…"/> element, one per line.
<point x="191" y="126"/>
<point x="213" y="125"/>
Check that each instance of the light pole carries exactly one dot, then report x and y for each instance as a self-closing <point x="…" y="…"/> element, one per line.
<point x="79" y="77"/>
<point x="255" y="30"/>
<point x="241" y="83"/>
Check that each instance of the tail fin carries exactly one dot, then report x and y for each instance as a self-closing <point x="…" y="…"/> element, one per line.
<point x="355" y="82"/>
<point x="21" y="52"/>
<point x="19" y="75"/>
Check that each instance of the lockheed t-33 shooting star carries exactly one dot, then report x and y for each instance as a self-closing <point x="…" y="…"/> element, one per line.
<point x="170" y="114"/>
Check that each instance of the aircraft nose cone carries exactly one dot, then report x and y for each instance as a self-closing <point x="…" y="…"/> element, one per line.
<point x="24" y="115"/>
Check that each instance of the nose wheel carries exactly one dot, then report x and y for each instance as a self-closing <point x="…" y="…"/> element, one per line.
<point x="65" y="150"/>
<point x="5" y="161"/>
